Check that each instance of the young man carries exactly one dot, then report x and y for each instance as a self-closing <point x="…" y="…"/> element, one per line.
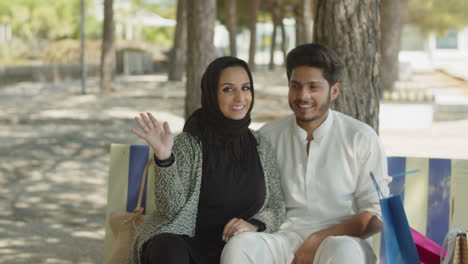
<point x="325" y="158"/>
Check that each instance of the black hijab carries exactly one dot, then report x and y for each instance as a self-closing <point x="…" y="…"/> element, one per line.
<point x="223" y="140"/>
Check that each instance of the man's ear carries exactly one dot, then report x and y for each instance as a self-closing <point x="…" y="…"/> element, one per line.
<point x="335" y="91"/>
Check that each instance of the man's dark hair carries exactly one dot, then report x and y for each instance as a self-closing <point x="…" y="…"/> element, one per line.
<point x="315" y="55"/>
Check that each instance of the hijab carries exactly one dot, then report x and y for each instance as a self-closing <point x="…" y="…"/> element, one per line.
<point x="223" y="140"/>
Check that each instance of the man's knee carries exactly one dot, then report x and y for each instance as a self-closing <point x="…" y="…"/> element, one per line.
<point x="241" y="247"/>
<point x="336" y="249"/>
<point x="241" y="242"/>
<point x="342" y="244"/>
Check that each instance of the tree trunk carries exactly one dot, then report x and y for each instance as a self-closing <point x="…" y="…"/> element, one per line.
<point x="276" y="16"/>
<point x="391" y="21"/>
<point x="297" y="27"/>
<point x="84" y="70"/>
<point x="253" y="33"/>
<point x="179" y="48"/>
<point x="231" y="22"/>
<point x="201" y="51"/>
<point x="351" y="28"/>
<point x="284" y="40"/>
<point x="108" y="48"/>
<point x="303" y="15"/>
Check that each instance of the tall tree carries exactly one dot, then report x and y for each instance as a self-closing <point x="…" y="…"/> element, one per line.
<point x="179" y="48"/>
<point x="391" y="22"/>
<point x="303" y="14"/>
<point x="231" y="23"/>
<point x="437" y="16"/>
<point x="108" y="48"/>
<point x="200" y="52"/>
<point x="276" y="14"/>
<point x="351" y="28"/>
<point x="83" y="46"/>
<point x="284" y="40"/>
<point x="253" y="33"/>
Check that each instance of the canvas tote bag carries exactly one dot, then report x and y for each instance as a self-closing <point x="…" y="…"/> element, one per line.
<point x="125" y="224"/>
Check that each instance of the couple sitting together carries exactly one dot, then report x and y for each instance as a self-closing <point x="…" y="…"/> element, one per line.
<point x="296" y="191"/>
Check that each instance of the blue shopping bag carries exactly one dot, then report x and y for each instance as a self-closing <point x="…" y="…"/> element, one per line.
<point x="398" y="241"/>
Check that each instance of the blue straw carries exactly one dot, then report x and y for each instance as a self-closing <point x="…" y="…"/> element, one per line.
<point x="404" y="173"/>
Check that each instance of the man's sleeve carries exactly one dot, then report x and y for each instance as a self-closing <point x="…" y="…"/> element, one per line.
<point x="371" y="158"/>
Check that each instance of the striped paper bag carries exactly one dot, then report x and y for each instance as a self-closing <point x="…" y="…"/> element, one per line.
<point x="127" y="165"/>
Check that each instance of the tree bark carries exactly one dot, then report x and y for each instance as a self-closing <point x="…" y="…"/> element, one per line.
<point x="201" y="50"/>
<point x="179" y="48"/>
<point x="108" y="48"/>
<point x="253" y="33"/>
<point x="284" y="40"/>
<point x="84" y="70"/>
<point x="276" y="16"/>
<point x="231" y="23"/>
<point x="391" y="22"/>
<point x="303" y="15"/>
<point x="298" y="27"/>
<point x="351" y="29"/>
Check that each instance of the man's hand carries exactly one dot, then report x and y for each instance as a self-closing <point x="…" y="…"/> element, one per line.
<point x="362" y="225"/>
<point x="305" y="254"/>
<point x="235" y="226"/>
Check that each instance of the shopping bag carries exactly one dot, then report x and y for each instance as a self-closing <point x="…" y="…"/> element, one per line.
<point x="398" y="241"/>
<point x="429" y="251"/>
<point x="130" y="197"/>
<point x="125" y="224"/>
<point x="457" y="251"/>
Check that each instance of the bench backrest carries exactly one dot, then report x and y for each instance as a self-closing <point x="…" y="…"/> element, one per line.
<point x="433" y="198"/>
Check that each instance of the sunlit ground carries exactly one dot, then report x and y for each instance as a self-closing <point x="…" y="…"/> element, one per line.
<point x="54" y="154"/>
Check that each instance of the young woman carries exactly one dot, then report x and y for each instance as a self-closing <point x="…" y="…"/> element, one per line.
<point x="216" y="179"/>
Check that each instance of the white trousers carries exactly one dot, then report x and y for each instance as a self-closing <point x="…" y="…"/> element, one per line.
<point x="279" y="248"/>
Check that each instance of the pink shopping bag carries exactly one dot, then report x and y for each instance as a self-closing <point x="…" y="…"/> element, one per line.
<point x="428" y="251"/>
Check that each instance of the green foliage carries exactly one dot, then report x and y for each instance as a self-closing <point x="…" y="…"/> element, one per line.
<point x="47" y="19"/>
<point x="169" y="12"/>
<point x="162" y="36"/>
<point x="244" y="8"/>
<point x="437" y="15"/>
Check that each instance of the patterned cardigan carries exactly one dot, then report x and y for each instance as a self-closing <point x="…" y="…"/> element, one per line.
<point x="177" y="190"/>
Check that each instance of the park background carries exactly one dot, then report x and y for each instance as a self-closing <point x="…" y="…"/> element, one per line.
<point x="74" y="73"/>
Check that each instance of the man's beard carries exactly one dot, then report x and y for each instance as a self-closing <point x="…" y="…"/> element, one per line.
<point x="322" y="111"/>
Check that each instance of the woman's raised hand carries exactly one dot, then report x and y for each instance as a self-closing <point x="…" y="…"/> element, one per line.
<point x="158" y="136"/>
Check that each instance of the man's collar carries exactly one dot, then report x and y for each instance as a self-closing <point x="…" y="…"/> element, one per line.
<point x="319" y="132"/>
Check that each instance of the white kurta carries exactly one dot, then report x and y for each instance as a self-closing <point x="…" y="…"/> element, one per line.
<point x="322" y="189"/>
<point x="332" y="183"/>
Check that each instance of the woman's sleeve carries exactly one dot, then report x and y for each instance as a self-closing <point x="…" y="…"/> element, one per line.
<point x="272" y="215"/>
<point x="172" y="183"/>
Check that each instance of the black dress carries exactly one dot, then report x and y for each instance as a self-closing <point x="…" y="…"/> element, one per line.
<point x="239" y="193"/>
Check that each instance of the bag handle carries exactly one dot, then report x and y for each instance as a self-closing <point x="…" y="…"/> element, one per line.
<point x="449" y="243"/>
<point x="138" y="207"/>
<point x="377" y="187"/>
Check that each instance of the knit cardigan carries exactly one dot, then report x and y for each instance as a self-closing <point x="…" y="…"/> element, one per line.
<point x="177" y="191"/>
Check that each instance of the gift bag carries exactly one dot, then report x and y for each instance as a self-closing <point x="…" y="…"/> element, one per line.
<point x="429" y="251"/>
<point x="398" y="241"/>
<point x="457" y="251"/>
<point x="128" y="198"/>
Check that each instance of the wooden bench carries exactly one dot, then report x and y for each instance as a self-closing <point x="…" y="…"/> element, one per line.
<point x="434" y="197"/>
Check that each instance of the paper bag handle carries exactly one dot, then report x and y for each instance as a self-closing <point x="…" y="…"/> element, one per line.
<point x="377" y="187"/>
<point x="142" y="187"/>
